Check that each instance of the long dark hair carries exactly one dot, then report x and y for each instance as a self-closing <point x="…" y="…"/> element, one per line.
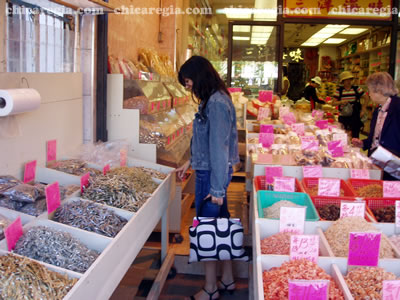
<point x="206" y="80"/>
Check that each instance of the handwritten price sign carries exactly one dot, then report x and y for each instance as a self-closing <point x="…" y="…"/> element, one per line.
<point x="329" y="187"/>
<point x="352" y="209"/>
<point x="364" y="248"/>
<point x="284" y="184"/>
<point x="391" y="189"/>
<point x="312" y="171"/>
<point x="298" y="128"/>
<point x="311" y="145"/>
<point x="359" y="173"/>
<point x="391" y="290"/>
<point x="263" y="113"/>
<point x="308" y="289"/>
<point x="304" y="246"/>
<point x="283" y="110"/>
<point x="292" y="219"/>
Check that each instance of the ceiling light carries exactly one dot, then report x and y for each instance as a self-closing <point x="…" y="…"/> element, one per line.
<point x="241" y="28"/>
<point x="258" y="42"/>
<point x="241" y="38"/>
<point x="333" y="28"/>
<point x="260" y="34"/>
<point x="322" y="35"/>
<point x="262" y="28"/>
<point x="308" y="44"/>
<point x="334" y="41"/>
<point x="353" y="30"/>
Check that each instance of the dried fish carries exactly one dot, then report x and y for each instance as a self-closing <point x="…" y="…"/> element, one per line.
<point x="114" y="191"/>
<point x="4" y="222"/>
<point x="55" y="247"/>
<point x="91" y="217"/>
<point x="22" y="278"/>
<point x="153" y="173"/>
<point x="140" y="180"/>
<point x="34" y="209"/>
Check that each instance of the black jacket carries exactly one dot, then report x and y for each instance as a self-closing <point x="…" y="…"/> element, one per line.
<point x="310" y="93"/>
<point x="390" y="135"/>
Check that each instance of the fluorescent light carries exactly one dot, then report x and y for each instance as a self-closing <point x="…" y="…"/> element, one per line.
<point x="307" y="44"/>
<point x="241" y="38"/>
<point x="322" y="35"/>
<point x="333" y="28"/>
<point x="334" y="41"/>
<point x="262" y="28"/>
<point x="353" y="30"/>
<point x="326" y="32"/>
<point x="260" y="34"/>
<point x="258" y="42"/>
<point x="241" y="28"/>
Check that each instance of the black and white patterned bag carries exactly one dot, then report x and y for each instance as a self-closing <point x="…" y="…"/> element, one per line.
<point x="216" y="239"/>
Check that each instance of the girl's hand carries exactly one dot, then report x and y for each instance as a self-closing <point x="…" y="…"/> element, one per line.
<point x="180" y="172"/>
<point x="216" y="200"/>
<point x="357" y="142"/>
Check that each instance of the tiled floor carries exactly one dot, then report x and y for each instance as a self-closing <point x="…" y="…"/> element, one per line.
<point x="138" y="279"/>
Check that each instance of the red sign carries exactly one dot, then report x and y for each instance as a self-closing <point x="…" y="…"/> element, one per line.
<point x="30" y="171"/>
<point x="52" y="197"/>
<point x="12" y="233"/>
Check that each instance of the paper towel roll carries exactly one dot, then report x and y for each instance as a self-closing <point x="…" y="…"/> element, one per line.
<point x="17" y="101"/>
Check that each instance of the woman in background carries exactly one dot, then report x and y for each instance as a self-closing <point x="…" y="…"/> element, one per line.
<point x="385" y="123"/>
<point x="310" y="92"/>
<point x="214" y="151"/>
<point x="285" y="82"/>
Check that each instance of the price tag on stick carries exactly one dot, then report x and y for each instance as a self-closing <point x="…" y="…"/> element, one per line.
<point x="123" y="156"/>
<point x="12" y="233"/>
<point x="51" y="150"/>
<point x="292" y="219"/>
<point x="52" y="197"/>
<point x="30" y="171"/>
<point x="304" y="246"/>
<point x="106" y="169"/>
<point x="364" y="249"/>
<point x="391" y="290"/>
<point x="308" y="289"/>
<point x="352" y="209"/>
<point x="85" y="181"/>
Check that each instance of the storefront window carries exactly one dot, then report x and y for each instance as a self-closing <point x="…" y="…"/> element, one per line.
<point x="254" y="59"/>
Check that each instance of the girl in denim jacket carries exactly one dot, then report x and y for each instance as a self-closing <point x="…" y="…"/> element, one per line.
<point x="214" y="151"/>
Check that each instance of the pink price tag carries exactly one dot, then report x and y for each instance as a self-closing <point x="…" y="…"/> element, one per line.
<point x="266" y="128"/>
<point x="106" y="169"/>
<point x="304" y="246"/>
<point x="298" y="128"/>
<point x="123" y="157"/>
<point x="266" y="139"/>
<point x="308" y="289"/>
<point x="152" y="106"/>
<point x="52" y="197"/>
<point x="322" y="124"/>
<point x="364" y="249"/>
<point x="329" y="187"/>
<point x="391" y="290"/>
<point x="335" y="148"/>
<point x="312" y="171"/>
<point x="30" y="171"/>
<point x="397" y="208"/>
<point x="13" y="232"/>
<point x="391" y="189"/>
<point x="284" y="184"/>
<point x="85" y="181"/>
<point x="158" y="105"/>
<point x="263" y="113"/>
<point x="359" y="173"/>
<point x="51" y="150"/>
<point x="271" y="172"/>
<point x="292" y="219"/>
<point x="310" y="144"/>
<point x="352" y="209"/>
<point x="289" y="118"/>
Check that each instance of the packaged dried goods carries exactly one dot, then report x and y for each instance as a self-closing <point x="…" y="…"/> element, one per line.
<point x="8" y="181"/>
<point x="4" y="222"/>
<point x="338" y="236"/>
<point x="276" y="280"/>
<point x="22" y="193"/>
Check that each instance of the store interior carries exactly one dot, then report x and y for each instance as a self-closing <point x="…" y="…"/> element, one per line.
<point x="107" y="123"/>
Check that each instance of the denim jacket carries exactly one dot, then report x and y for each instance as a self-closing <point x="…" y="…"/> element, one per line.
<point x="214" y="144"/>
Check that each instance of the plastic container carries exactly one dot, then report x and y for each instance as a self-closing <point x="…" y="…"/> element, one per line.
<point x="260" y="184"/>
<point x="356" y="184"/>
<point x="268" y="198"/>
<point x="309" y="183"/>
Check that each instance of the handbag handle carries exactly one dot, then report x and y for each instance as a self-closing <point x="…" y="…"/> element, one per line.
<point x="203" y="202"/>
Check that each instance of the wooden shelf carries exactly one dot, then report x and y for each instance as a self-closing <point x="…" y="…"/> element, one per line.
<point x="364" y="52"/>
